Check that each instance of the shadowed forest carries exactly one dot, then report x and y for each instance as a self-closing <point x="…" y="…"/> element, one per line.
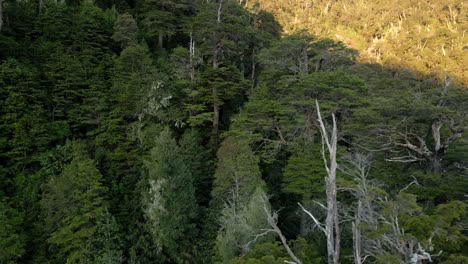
<point x="233" y="131"/>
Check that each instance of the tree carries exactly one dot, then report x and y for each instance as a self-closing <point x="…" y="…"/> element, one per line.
<point x="216" y="87"/>
<point x="289" y="56"/>
<point x="220" y="29"/>
<point x="240" y="225"/>
<point x="125" y="30"/>
<point x="12" y="241"/>
<point x="169" y="203"/>
<point x="161" y="18"/>
<point x="72" y="202"/>
<point x="390" y="230"/>
<point x="418" y="127"/>
<point x="238" y="194"/>
<point x="282" y="114"/>
<point x="331" y="228"/>
<point x="237" y="174"/>
<point x="104" y="247"/>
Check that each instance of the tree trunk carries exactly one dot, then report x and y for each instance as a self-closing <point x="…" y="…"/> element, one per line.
<point x="160" y="40"/>
<point x="272" y="219"/>
<point x="215" y="116"/>
<point x="305" y="61"/>
<point x="220" y="9"/>
<point x="41" y="5"/>
<point x="192" y="56"/>
<point x="436" y="163"/>
<point x="356" y="242"/>
<point x="216" y="106"/>
<point x="332" y="229"/>
<point x="252" y="73"/>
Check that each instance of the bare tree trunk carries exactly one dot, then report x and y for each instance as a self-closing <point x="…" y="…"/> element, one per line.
<point x="272" y="218"/>
<point x="331" y="228"/>
<point x="216" y="109"/>
<point x="214" y="91"/>
<point x="331" y="223"/>
<point x="359" y="170"/>
<point x="220" y="9"/>
<point x="254" y="64"/>
<point x="160" y="40"/>
<point x="216" y="54"/>
<point x="192" y="56"/>
<point x="41" y="5"/>
<point x="356" y="241"/>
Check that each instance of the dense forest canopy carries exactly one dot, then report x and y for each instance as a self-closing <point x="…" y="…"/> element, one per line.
<point x="226" y="131"/>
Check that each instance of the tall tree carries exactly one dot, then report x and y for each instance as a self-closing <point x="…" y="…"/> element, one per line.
<point x="72" y="202"/>
<point x="170" y="203"/>
<point x="162" y="18"/>
<point x="238" y="191"/>
<point x="220" y="29"/>
<point x="12" y="240"/>
<point x="331" y="227"/>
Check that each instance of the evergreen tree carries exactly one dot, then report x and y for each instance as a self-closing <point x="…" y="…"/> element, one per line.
<point x="12" y="240"/>
<point x="239" y="192"/>
<point x="170" y="204"/>
<point x="162" y="18"/>
<point x="72" y="202"/>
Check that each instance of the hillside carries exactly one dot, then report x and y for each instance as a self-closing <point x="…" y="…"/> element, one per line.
<point x="428" y="37"/>
<point x="195" y="131"/>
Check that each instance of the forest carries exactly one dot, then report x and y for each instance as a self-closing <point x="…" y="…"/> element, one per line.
<point x="234" y="131"/>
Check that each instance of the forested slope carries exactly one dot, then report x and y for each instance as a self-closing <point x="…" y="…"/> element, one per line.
<point x="189" y="131"/>
<point x="428" y="37"/>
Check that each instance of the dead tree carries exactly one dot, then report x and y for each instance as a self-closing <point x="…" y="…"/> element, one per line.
<point x="272" y="219"/>
<point x="417" y="146"/>
<point x="357" y="166"/>
<point x="368" y="217"/>
<point x="191" y="58"/>
<point x="331" y="228"/>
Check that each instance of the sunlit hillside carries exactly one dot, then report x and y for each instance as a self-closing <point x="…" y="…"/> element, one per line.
<point x="429" y="36"/>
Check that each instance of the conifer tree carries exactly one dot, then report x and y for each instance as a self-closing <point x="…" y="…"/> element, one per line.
<point x="169" y="203"/>
<point x="238" y="191"/>
<point x="72" y="202"/>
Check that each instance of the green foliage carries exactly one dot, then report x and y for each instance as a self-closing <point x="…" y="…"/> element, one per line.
<point x="73" y="201"/>
<point x="125" y="30"/>
<point x="161" y="18"/>
<point x="237" y="173"/>
<point x="104" y="246"/>
<point x="240" y="224"/>
<point x="304" y="174"/>
<point x="289" y="56"/>
<point x="80" y="78"/>
<point x="12" y="240"/>
<point x="23" y="121"/>
<point x="274" y="253"/>
<point x="170" y="203"/>
<point x="217" y="86"/>
<point x="268" y="252"/>
<point x="449" y="221"/>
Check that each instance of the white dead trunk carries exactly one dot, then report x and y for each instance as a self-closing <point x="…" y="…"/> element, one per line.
<point x="220" y="9"/>
<point x="192" y="57"/>
<point x="331" y="228"/>
<point x="331" y="222"/>
<point x="272" y="218"/>
<point x="359" y="166"/>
